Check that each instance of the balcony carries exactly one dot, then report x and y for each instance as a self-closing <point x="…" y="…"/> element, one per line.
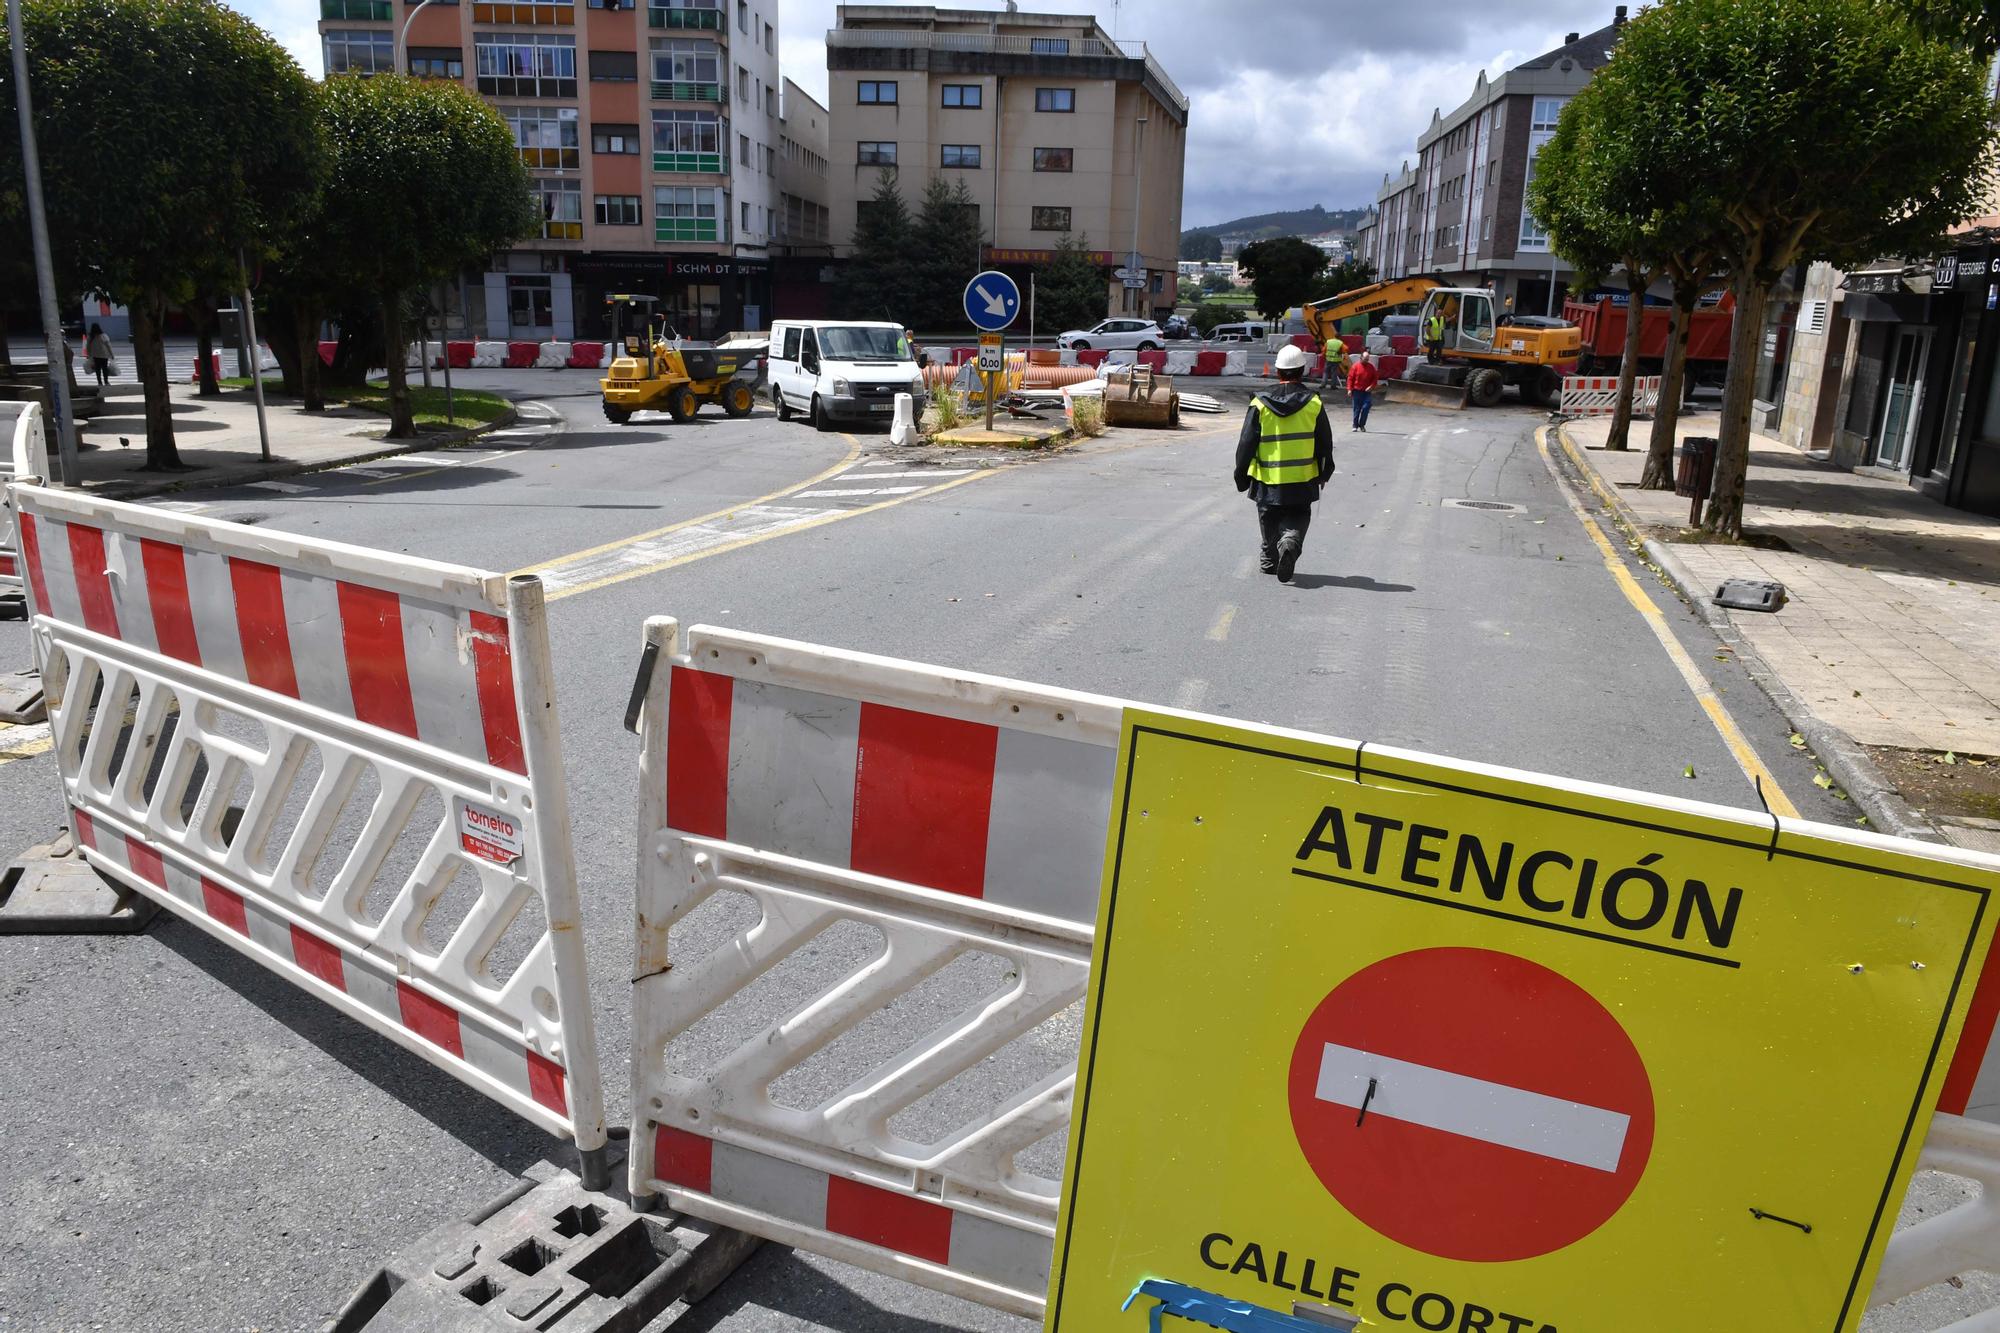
<point x="525" y="14"/>
<point x="660" y="17"/>
<point x="888" y="49"/>
<point x="706" y="163"/>
<point x="665" y="91"/>
<point x="680" y="230"/>
<point x="356" y="11"/>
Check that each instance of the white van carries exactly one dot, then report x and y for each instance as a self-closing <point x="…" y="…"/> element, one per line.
<point x="1240" y="333"/>
<point x="832" y="370"/>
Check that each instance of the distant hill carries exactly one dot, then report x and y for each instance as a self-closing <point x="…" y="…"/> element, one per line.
<point x="1297" y="222"/>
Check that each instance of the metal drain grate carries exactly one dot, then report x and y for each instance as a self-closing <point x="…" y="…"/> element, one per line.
<point x="1499" y="505"/>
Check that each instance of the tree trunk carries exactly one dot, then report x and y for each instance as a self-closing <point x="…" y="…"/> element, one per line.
<point x="280" y="326"/>
<point x="1659" y="475"/>
<point x="203" y="316"/>
<point x="312" y="392"/>
<point x="1732" y="451"/>
<point x="149" y="357"/>
<point x="6" y="357"/>
<point x="1619" y="436"/>
<point x="402" y="422"/>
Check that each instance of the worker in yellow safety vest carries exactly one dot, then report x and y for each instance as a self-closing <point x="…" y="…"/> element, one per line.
<point x="1434" y="337"/>
<point x="1283" y="456"/>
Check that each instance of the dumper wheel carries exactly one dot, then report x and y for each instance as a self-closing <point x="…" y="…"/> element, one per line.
<point x="681" y="403"/>
<point x="1485" y="388"/>
<point x="617" y="416"/>
<point x="738" y="398"/>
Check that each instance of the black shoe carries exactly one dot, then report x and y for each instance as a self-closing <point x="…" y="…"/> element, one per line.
<point x="1267" y="566"/>
<point x="1288" y="557"/>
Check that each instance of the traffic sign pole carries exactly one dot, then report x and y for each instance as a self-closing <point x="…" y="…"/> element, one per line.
<point x="992" y="380"/>
<point x="992" y="300"/>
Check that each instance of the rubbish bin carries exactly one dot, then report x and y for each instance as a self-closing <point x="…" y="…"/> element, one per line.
<point x="1694" y="478"/>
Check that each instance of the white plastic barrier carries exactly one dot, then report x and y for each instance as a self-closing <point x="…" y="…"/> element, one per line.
<point x="1964" y="1239"/>
<point x="1597" y="395"/>
<point x="27" y="455"/>
<point x="948" y="831"/>
<point x="552" y="356"/>
<point x="341" y="762"/>
<point x="488" y="355"/>
<point x="1236" y="363"/>
<point x="1180" y="361"/>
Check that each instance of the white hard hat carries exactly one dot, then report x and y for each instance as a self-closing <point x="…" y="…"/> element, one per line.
<point x="1291" y="357"/>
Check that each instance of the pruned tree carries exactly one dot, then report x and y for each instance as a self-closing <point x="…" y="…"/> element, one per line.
<point x="1832" y="130"/>
<point x="175" y="136"/>
<point x="1281" y="272"/>
<point x="1070" y="290"/>
<point x="422" y="178"/>
<point x="876" y="282"/>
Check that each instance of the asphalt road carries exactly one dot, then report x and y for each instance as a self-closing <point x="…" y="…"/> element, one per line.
<point x="188" y="1144"/>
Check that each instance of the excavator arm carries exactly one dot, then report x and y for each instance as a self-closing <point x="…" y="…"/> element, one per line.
<point x="1323" y="317"/>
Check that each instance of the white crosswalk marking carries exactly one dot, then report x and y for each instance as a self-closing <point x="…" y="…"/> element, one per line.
<point x="752" y="521"/>
<point x="1473" y="1108"/>
<point x="871" y="490"/>
<point x="874" y="477"/>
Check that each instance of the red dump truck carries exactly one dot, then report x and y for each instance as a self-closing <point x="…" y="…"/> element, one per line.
<point x="1602" y="325"/>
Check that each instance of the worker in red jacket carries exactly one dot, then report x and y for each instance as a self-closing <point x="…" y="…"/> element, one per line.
<point x="1361" y="382"/>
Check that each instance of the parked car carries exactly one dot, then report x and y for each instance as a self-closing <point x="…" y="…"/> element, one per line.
<point x="1115" y="335"/>
<point x="833" y="370"/>
<point x="1177" y="329"/>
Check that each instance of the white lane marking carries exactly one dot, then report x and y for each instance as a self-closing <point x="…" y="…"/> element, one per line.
<point x="927" y="472"/>
<point x="1473" y="1108"/>
<point x="1190" y="694"/>
<point x="365" y="472"/>
<point x="1220" y="631"/>
<point x="423" y="460"/>
<point x="750" y="521"/>
<point x="280" y="487"/>
<point x="868" y="490"/>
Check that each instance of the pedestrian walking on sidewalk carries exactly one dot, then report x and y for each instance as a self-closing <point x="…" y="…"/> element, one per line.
<point x="1283" y="456"/>
<point x="98" y="349"/>
<point x="1361" y="382"/>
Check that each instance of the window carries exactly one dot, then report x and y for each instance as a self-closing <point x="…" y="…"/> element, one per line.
<point x="871" y="93"/>
<point x="743" y="149"/>
<point x="770" y="40"/>
<point x="687" y="141"/>
<point x="1055" y="159"/>
<point x="616" y="139"/>
<point x="437" y="62"/>
<point x="959" y="155"/>
<point x="530" y="302"/>
<point x="1547" y="111"/>
<point x="767" y="159"/>
<point x="771" y="102"/>
<point x="742" y="15"/>
<point x="686" y="213"/>
<point x="538" y="12"/>
<point x="546" y="137"/>
<point x="560" y="203"/>
<point x="791" y="348"/>
<point x="618" y="210"/>
<point x="359" y="52"/>
<point x="1048" y="46"/>
<point x="962" y="95"/>
<point x="525" y="64"/>
<point x="614" y="66"/>
<point x="871" y="154"/>
<point x="1048" y="219"/>
<point x="742" y="84"/>
<point x="687" y="70"/>
<point x="356" y="11"/>
<point x="1055" y="99"/>
<point x="746" y="217"/>
<point x="684" y="14"/>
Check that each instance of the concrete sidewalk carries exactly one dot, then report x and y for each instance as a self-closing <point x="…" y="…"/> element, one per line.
<point x="1891" y="637"/>
<point x="217" y="438"/>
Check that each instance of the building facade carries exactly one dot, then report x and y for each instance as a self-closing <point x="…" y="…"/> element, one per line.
<point x="1054" y="128"/>
<point x="651" y="131"/>
<point x="801" y="272"/>
<point x="1461" y="212"/>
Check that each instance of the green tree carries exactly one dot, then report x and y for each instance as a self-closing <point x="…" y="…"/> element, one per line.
<point x="1281" y="272"/>
<point x="943" y="255"/>
<point x="877" y="282"/>
<point x="1972" y="24"/>
<point x="1070" y="290"/>
<point x="1208" y="316"/>
<point x="1342" y="277"/>
<point x="1204" y="246"/>
<point x="1215" y="282"/>
<point x="1833" y="129"/>
<point x="422" y="179"/>
<point x="175" y="137"/>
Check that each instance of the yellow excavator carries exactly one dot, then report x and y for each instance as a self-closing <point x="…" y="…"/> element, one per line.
<point x="1483" y="355"/>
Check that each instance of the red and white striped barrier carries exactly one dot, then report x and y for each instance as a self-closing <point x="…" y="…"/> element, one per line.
<point x="341" y="762"/>
<point x="945" y="814"/>
<point x="1597" y="395"/>
<point x="26" y="455"/>
<point x="265" y="361"/>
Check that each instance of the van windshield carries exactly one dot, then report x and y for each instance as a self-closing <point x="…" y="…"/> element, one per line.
<point x="848" y="343"/>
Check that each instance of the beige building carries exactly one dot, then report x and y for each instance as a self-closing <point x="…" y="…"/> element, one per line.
<point x="1053" y="127"/>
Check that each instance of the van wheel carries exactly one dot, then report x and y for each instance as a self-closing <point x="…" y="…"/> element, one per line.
<point x="820" y="420"/>
<point x="737" y="399"/>
<point x="778" y="401"/>
<point x="682" y="403"/>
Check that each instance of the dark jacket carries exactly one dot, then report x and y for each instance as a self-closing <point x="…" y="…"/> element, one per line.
<point x="1288" y="397"/>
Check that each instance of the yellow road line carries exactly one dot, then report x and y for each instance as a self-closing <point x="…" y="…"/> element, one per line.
<point x="853" y="452"/>
<point x="831" y="516"/>
<point x="1704" y="693"/>
<point x="1222" y="623"/>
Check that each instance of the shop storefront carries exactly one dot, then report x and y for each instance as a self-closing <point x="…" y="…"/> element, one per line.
<point x="703" y="297"/>
<point x="1905" y="328"/>
<point x="1964" y="471"/>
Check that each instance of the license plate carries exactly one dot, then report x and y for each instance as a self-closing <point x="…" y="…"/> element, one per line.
<point x="881" y="407"/>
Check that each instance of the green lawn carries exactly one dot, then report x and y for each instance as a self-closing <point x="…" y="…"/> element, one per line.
<point x="471" y="407"/>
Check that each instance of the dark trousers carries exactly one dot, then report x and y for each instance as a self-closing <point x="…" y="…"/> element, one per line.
<point x="1363" y="400"/>
<point x="1279" y="522"/>
<point x="1434" y="352"/>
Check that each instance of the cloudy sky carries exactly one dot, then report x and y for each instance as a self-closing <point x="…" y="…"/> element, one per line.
<point x="1295" y="102"/>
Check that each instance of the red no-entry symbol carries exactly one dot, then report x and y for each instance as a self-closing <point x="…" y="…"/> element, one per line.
<point x="1471" y="1104"/>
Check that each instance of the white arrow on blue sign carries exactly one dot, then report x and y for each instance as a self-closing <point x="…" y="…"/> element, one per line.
<point x="991" y="301"/>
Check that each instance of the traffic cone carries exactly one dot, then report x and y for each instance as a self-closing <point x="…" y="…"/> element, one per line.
<point x="1265" y="373"/>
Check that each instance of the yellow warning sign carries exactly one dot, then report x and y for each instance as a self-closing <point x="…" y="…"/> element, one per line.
<point x="1449" y="1047"/>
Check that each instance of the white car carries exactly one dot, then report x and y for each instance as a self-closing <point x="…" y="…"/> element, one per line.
<point x="1116" y="335"/>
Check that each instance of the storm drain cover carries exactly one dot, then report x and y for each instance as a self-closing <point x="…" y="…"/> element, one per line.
<point x="1499" y="505"/>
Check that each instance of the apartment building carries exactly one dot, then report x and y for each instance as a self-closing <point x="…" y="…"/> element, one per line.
<point x="802" y="272"/>
<point x="1053" y="127"/>
<point x="652" y="135"/>
<point x="1461" y="212"/>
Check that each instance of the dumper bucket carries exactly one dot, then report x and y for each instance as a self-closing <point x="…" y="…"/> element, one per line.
<point x="1445" y="397"/>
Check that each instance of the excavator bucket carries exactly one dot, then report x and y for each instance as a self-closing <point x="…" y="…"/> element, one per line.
<point x="1445" y="397"/>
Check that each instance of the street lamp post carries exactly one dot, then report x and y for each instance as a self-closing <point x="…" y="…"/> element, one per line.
<point x="60" y="407"/>
<point x="403" y="37"/>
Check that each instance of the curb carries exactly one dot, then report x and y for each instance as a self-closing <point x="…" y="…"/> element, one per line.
<point x="250" y="473"/>
<point x="1845" y="761"/>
